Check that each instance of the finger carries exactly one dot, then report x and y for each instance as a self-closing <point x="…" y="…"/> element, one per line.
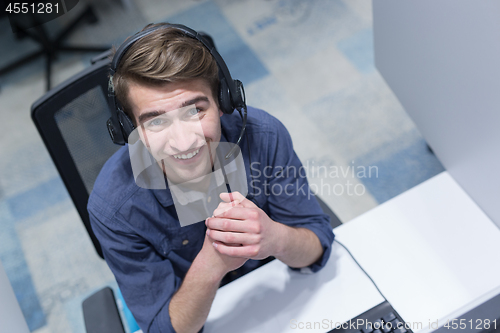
<point x="228" y="244"/>
<point x="229" y="198"/>
<point x="228" y="204"/>
<point x="239" y="213"/>
<point x="246" y="251"/>
<point x="229" y="238"/>
<point x="223" y="207"/>
<point x="224" y="224"/>
<point x="238" y="197"/>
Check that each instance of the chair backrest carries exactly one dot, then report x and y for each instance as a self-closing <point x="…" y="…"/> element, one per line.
<point x="71" y="119"/>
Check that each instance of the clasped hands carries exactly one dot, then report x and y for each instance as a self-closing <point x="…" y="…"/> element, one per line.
<point x="241" y="229"/>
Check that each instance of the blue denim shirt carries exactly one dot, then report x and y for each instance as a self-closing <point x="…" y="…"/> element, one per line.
<point x="147" y="249"/>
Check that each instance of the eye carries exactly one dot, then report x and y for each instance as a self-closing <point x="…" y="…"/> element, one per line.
<point x="156" y="122"/>
<point x="194" y="112"/>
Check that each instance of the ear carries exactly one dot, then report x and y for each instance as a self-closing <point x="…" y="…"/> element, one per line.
<point x="220" y="113"/>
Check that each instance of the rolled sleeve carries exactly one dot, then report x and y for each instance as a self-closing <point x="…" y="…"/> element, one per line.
<point x="290" y="199"/>
<point x="146" y="279"/>
<point x="326" y="239"/>
<point x="161" y="322"/>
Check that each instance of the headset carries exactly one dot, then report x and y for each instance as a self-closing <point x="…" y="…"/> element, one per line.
<point x="231" y="93"/>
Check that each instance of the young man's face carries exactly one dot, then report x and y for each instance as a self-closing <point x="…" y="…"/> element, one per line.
<point x="179" y="122"/>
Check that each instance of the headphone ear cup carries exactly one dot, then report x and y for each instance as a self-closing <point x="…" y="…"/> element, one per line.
<point x="225" y="103"/>
<point x="239" y="99"/>
<point x="126" y="124"/>
<point x="115" y="134"/>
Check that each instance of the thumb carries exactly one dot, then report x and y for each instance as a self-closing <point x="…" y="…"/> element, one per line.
<point x="237" y="198"/>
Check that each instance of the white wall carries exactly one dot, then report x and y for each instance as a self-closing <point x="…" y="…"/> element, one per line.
<point x="442" y="60"/>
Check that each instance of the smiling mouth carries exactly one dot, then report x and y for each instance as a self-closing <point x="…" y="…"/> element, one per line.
<point x="187" y="156"/>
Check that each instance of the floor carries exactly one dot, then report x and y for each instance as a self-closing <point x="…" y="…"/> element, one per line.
<point x="310" y="63"/>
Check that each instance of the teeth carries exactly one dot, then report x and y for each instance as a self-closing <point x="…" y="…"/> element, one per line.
<point x="188" y="156"/>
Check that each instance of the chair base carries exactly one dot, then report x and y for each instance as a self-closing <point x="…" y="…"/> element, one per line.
<point x="51" y="48"/>
<point x="101" y="314"/>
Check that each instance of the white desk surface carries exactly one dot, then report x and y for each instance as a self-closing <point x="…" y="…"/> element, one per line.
<point x="442" y="251"/>
<point x="431" y="251"/>
<point x="269" y="298"/>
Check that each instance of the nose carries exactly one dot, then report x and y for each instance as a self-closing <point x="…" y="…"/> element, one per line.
<point x="183" y="137"/>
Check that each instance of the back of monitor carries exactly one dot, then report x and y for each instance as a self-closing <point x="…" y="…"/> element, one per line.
<point x="442" y="60"/>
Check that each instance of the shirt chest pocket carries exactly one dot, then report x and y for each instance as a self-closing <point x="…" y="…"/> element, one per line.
<point x="187" y="238"/>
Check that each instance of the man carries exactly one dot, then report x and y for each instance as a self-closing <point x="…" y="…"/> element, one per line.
<point x="169" y="274"/>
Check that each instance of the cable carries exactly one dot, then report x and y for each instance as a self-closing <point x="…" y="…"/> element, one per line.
<point x="345" y="248"/>
<point x="244" y="120"/>
<point x="251" y="169"/>
<point x="243" y="127"/>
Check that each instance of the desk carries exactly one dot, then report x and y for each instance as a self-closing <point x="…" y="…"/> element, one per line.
<point x="431" y="250"/>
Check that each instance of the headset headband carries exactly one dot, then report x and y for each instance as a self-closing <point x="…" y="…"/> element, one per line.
<point x="188" y="32"/>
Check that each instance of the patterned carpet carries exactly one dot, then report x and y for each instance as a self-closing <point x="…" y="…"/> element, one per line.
<point x="308" y="62"/>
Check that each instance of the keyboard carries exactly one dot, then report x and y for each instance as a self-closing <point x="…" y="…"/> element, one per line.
<point x="379" y="319"/>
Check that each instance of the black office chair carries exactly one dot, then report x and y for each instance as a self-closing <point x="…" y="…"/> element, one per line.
<point x="71" y="119"/>
<point x="50" y="48"/>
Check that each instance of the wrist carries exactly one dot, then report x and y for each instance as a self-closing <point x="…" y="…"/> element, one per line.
<point x="211" y="271"/>
<point x="283" y="233"/>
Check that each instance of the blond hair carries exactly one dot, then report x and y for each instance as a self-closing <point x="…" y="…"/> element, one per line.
<point x="165" y="55"/>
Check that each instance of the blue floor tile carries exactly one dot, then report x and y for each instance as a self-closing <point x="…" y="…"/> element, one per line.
<point x="14" y="262"/>
<point x="359" y="50"/>
<point x="399" y="171"/>
<point x="242" y="62"/>
<point x="28" y="203"/>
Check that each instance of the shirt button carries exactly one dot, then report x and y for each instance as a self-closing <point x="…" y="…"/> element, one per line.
<point x="185" y="242"/>
<point x="209" y="199"/>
